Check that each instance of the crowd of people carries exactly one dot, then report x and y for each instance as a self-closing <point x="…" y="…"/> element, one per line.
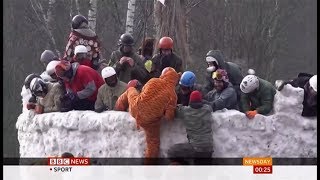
<point x="153" y="88"/>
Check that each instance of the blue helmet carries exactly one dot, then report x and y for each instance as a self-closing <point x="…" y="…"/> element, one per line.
<point x="187" y="79"/>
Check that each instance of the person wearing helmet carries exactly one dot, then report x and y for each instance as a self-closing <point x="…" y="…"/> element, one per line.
<point x="48" y="95"/>
<point x="29" y="100"/>
<point x="81" y="34"/>
<point x="50" y="70"/>
<point x="308" y="82"/>
<point x="81" y="56"/>
<point x="186" y="86"/>
<point x="29" y="78"/>
<point x="81" y="83"/>
<point x="165" y="58"/>
<point x="46" y="57"/>
<point x="215" y="60"/>
<point x="109" y="93"/>
<point x="126" y="62"/>
<point x="223" y="94"/>
<point x="157" y="100"/>
<point x="197" y="120"/>
<point x="257" y="96"/>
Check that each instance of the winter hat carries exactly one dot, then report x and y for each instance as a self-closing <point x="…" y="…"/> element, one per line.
<point x="195" y="97"/>
<point x="62" y="67"/>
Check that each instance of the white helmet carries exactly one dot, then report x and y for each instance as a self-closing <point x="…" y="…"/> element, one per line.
<point x="249" y="83"/>
<point x="37" y="85"/>
<point x="313" y="82"/>
<point x="51" y="67"/>
<point x="107" y="72"/>
<point x="80" y="49"/>
<point x="211" y="59"/>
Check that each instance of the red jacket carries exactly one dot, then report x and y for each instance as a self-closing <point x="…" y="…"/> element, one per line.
<point x="85" y="82"/>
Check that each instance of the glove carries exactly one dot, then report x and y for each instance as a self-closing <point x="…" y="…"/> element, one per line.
<point x="123" y="60"/>
<point x="39" y="109"/>
<point x="251" y="114"/>
<point x="31" y="106"/>
<point x="130" y="61"/>
<point x="33" y="99"/>
<point x="134" y="83"/>
<point x="73" y="96"/>
<point x="99" y="110"/>
<point x="66" y="103"/>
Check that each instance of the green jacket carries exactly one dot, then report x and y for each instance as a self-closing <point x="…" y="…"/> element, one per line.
<point x="261" y="99"/>
<point x="124" y="71"/>
<point x="198" y="124"/>
<point x="233" y="70"/>
<point x="108" y="96"/>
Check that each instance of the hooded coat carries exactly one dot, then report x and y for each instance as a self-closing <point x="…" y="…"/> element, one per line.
<point x="260" y="99"/>
<point x="233" y="70"/>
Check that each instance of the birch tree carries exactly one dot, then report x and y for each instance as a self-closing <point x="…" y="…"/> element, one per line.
<point x="92" y="18"/>
<point x="130" y="16"/>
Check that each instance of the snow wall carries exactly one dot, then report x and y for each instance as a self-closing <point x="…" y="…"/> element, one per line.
<point x="284" y="133"/>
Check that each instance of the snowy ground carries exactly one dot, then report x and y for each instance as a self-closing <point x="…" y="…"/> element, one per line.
<point x="284" y="133"/>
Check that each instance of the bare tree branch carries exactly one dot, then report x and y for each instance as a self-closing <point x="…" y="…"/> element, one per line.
<point x="194" y="5"/>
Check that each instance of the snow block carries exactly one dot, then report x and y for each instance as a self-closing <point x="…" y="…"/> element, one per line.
<point x="283" y="133"/>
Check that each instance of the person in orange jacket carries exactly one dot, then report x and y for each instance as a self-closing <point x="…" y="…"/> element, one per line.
<point x="157" y="100"/>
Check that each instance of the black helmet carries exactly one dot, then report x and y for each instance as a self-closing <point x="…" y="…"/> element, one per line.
<point x="29" y="78"/>
<point x="37" y="85"/>
<point x="126" y="39"/>
<point x="47" y="56"/>
<point x="78" y="20"/>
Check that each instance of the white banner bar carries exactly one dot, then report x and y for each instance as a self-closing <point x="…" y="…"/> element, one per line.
<point x="157" y="173"/>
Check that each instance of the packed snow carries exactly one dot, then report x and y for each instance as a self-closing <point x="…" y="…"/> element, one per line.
<point x="283" y="133"/>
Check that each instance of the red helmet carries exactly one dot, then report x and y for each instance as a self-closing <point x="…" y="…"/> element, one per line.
<point x="166" y="43"/>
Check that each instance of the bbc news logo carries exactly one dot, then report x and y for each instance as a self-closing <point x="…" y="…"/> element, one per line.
<point x="68" y="161"/>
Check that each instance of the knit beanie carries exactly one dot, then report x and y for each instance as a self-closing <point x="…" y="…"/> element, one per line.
<point x="195" y="97"/>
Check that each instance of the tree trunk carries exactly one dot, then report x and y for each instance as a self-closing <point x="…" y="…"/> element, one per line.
<point x="47" y="20"/>
<point x="130" y="16"/>
<point x="170" y="20"/>
<point x="92" y="18"/>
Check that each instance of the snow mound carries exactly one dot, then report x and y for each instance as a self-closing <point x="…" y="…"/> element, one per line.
<point x="284" y="133"/>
